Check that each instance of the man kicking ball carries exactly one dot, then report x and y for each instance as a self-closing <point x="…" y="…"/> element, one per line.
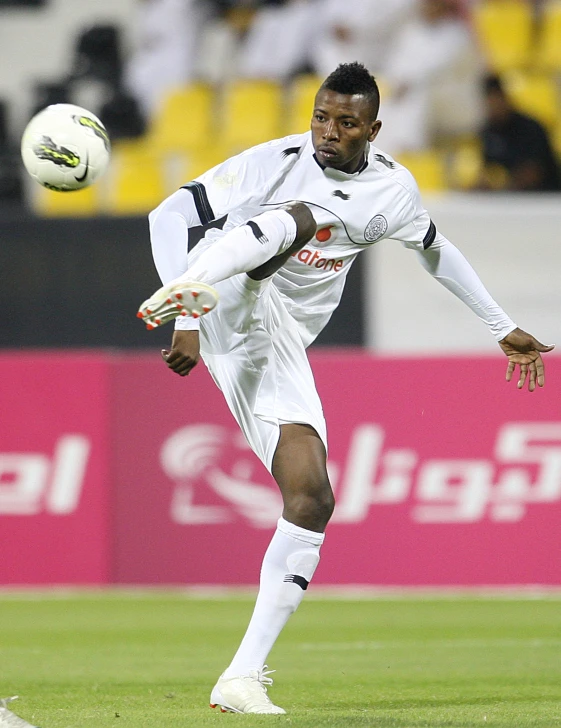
<point x="291" y="216"/>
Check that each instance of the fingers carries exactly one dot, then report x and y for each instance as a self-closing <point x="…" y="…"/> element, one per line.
<point x="532" y="372"/>
<point x="543" y="347"/>
<point x="178" y="362"/>
<point x="510" y="370"/>
<point x="540" y="369"/>
<point x="523" y="375"/>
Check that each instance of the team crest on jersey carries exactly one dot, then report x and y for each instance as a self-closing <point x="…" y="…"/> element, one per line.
<point x="376" y="228"/>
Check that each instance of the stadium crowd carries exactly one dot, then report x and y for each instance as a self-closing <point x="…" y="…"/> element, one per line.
<point x="432" y="58"/>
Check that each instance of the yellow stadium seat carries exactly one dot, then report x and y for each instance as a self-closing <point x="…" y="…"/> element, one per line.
<point x="185" y="120"/>
<point x="505" y="29"/>
<point x="465" y="164"/>
<point x="549" y="37"/>
<point x="80" y="203"/>
<point x="251" y="114"/>
<point x="534" y="94"/>
<point x="301" y="96"/>
<point x="428" y="167"/>
<point x="193" y="165"/>
<point x="136" y="183"/>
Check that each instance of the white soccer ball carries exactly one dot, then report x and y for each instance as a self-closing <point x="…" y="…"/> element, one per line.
<point x="65" y="147"/>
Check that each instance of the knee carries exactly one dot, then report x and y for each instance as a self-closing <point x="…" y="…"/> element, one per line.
<point x="306" y="225"/>
<point x="311" y="507"/>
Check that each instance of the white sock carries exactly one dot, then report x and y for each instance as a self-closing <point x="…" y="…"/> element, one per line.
<point x="288" y="566"/>
<point x="244" y="248"/>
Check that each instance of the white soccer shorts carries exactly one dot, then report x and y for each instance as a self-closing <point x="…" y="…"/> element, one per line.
<point x="253" y="350"/>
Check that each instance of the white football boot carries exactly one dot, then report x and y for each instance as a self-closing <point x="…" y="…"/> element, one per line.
<point x="9" y="719"/>
<point x="178" y="298"/>
<point x="244" y="694"/>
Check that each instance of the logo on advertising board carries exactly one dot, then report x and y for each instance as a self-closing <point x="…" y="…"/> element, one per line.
<point x="212" y="463"/>
<point x="32" y="483"/>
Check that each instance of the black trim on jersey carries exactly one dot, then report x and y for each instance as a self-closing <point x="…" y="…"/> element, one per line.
<point x="204" y="210"/>
<point x="197" y="233"/>
<point x="256" y="230"/>
<point x="290" y="150"/>
<point x="428" y="240"/>
<point x="363" y="166"/>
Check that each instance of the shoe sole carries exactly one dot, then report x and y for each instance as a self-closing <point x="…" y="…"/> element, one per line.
<point x="217" y="701"/>
<point x="182" y="299"/>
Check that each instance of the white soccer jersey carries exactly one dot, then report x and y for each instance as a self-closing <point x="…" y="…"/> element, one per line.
<point x="352" y="211"/>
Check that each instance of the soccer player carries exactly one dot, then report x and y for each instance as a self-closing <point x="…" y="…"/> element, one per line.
<point x="291" y="216"/>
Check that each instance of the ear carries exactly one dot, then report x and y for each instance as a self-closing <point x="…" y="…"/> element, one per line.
<point x="374" y="130"/>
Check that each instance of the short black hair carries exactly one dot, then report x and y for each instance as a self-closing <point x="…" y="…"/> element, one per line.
<point x="354" y="78"/>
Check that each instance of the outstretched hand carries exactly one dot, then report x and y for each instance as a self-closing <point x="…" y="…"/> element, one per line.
<point x="524" y="351"/>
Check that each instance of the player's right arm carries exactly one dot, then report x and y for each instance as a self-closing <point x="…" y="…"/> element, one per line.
<point x="241" y="181"/>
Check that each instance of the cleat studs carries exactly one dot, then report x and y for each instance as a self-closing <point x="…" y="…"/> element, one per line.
<point x="178" y="306"/>
<point x="223" y="710"/>
<point x="179" y="296"/>
<point x="213" y="705"/>
<point x="158" y="321"/>
<point x="195" y="315"/>
<point x="140" y="315"/>
<point x="148" y="312"/>
<point x="168" y="300"/>
<point x="150" y="327"/>
<point x="184" y="313"/>
<point x="195" y="294"/>
<point x="206" y="309"/>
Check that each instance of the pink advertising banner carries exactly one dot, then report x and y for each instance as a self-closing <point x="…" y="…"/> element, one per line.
<point x="113" y="469"/>
<point x="54" y="468"/>
<point x="443" y="473"/>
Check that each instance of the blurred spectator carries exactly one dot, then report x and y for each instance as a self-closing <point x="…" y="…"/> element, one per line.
<point x="165" y="49"/>
<point x="98" y="54"/>
<point x="517" y="152"/>
<point x="96" y="67"/>
<point x="122" y="116"/>
<point x="47" y="93"/>
<point x="433" y="72"/>
<point x="278" y="41"/>
<point x="358" y="30"/>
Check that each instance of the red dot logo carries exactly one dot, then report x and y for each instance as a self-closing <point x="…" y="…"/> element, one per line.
<point x="324" y="234"/>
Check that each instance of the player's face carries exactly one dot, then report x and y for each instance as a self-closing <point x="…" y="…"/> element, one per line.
<point x="342" y="125"/>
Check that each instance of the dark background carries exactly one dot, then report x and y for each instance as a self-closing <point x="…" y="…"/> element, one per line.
<point x="78" y="283"/>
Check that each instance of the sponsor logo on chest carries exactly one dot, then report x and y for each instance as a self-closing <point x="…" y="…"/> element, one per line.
<point x="315" y="259"/>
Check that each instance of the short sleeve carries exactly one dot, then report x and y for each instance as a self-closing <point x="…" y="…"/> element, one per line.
<point x="244" y="180"/>
<point x="412" y="226"/>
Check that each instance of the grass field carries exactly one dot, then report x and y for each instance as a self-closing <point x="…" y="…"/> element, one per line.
<point x="149" y="660"/>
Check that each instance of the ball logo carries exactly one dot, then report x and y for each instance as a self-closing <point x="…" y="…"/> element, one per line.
<point x="97" y="128"/>
<point x="376" y="228"/>
<point x="48" y="150"/>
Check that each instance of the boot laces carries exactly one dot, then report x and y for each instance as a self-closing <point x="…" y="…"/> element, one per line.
<point x="263" y="675"/>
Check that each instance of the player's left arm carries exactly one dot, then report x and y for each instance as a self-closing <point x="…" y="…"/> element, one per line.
<point x="450" y="268"/>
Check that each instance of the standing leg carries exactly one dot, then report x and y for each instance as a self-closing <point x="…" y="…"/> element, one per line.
<point x="299" y="467"/>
